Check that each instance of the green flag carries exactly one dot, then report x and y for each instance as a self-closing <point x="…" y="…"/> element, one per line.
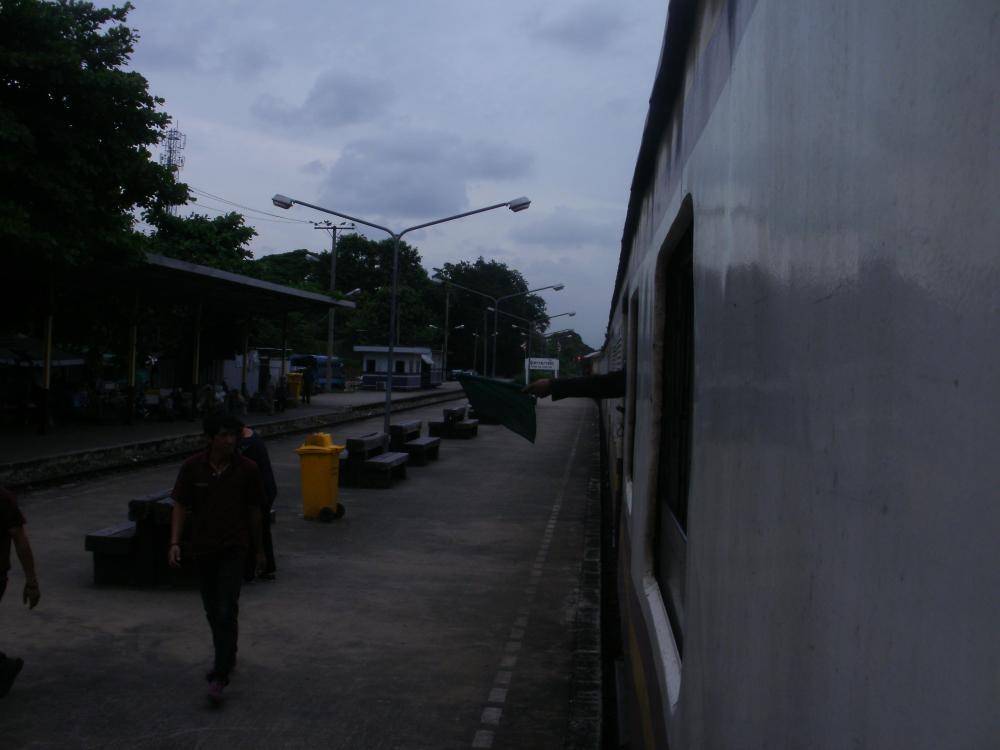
<point x="501" y="402"/>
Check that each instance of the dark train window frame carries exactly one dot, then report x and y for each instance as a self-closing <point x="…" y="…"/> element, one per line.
<point x="674" y="383"/>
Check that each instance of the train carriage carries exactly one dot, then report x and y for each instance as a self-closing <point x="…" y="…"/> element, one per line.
<point x="804" y="491"/>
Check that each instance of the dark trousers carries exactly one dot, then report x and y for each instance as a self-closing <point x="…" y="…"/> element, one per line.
<point x="219" y="578"/>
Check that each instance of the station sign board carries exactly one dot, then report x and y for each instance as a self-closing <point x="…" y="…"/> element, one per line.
<point x="549" y="364"/>
<point x="543" y="363"/>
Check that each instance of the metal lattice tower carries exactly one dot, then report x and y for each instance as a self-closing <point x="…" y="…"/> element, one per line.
<point x="172" y="156"/>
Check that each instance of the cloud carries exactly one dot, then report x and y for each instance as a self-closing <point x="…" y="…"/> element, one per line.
<point x="334" y="100"/>
<point x="417" y="173"/>
<point x="567" y="227"/>
<point x="246" y="61"/>
<point x="315" y="167"/>
<point x="592" y="28"/>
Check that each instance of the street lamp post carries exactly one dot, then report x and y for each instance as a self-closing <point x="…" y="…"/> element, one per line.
<point x="531" y="323"/>
<point x="546" y="317"/>
<point x="439" y="278"/>
<point x="332" y="229"/>
<point x="496" y="313"/>
<point x="282" y="201"/>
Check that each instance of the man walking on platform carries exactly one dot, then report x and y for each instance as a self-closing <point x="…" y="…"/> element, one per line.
<point x="223" y="493"/>
<point x="12" y="532"/>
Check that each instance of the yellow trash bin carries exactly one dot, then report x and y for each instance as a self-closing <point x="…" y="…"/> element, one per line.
<point x="319" y="461"/>
<point x="294" y="380"/>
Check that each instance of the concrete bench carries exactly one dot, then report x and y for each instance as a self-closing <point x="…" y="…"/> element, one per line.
<point x="465" y="429"/>
<point x="454" y="424"/>
<point x="135" y="552"/>
<point x="113" y="553"/>
<point x="381" y="470"/>
<point x="403" y="432"/>
<point x="370" y="464"/>
<point x="359" y="450"/>
<point x="422" y="449"/>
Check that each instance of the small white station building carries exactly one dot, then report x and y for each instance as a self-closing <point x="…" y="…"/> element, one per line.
<point x="413" y="367"/>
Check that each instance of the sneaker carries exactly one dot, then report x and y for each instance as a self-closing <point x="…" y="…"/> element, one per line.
<point x="9" y="670"/>
<point x="215" y="688"/>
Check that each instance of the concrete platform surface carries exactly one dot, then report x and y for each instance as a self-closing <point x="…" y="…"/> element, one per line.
<point x="455" y="610"/>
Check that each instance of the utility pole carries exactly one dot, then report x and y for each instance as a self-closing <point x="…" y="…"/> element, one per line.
<point x="332" y="229"/>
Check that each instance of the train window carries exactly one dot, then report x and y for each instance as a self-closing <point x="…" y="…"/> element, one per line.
<point x="676" y="290"/>
<point x="369" y="365"/>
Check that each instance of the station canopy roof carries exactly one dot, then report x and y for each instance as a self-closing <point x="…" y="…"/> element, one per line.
<point x="185" y="282"/>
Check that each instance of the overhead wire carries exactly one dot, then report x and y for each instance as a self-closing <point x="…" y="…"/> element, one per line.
<point x="278" y="217"/>
<point x="280" y="220"/>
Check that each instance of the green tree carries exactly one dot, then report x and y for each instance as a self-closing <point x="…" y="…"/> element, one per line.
<point x="220" y="242"/>
<point x="496" y="279"/>
<point x="75" y="133"/>
<point x="569" y="349"/>
<point x="367" y="265"/>
<point x="299" y="268"/>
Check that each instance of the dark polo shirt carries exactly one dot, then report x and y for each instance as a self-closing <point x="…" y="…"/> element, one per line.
<point x="10" y="518"/>
<point x="219" y="503"/>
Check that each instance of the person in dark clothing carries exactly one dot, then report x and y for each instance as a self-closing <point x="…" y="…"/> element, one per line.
<point x="308" y="381"/>
<point x="12" y="533"/>
<point x="252" y="446"/>
<point x="281" y="394"/>
<point x="223" y="493"/>
<point x="608" y="385"/>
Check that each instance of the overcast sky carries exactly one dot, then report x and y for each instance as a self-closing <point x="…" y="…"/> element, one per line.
<point x="402" y="112"/>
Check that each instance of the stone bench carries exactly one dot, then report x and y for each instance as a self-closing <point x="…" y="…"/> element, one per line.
<point x="422" y="449"/>
<point x="381" y="470"/>
<point x="370" y="464"/>
<point x="455" y="424"/>
<point x="113" y="553"/>
<point x="403" y="432"/>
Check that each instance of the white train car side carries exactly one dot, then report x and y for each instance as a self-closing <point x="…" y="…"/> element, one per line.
<point x="805" y="475"/>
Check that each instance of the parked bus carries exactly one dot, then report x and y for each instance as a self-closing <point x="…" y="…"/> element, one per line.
<point x="317" y="364"/>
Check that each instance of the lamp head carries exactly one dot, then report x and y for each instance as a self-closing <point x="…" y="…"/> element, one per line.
<point x="282" y="201"/>
<point x="353" y="292"/>
<point x="519" y="204"/>
<point x="559" y="287"/>
<point x="572" y="314"/>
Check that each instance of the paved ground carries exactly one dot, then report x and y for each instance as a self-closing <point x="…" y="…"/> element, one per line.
<point x="452" y="611"/>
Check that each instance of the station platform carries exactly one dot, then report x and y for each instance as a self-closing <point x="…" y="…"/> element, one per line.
<point x="71" y="450"/>
<point x="458" y="609"/>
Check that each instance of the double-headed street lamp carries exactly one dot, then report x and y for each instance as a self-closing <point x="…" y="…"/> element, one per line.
<point x="496" y="313"/>
<point x="439" y="278"/>
<point x="282" y="201"/>
<point x="531" y="323"/>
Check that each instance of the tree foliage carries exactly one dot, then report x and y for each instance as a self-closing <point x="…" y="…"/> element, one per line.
<point x="220" y="242"/>
<point x="75" y="133"/>
<point x="569" y="349"/>
<point x="367" y="265"/>
<point x="466" y="308"/>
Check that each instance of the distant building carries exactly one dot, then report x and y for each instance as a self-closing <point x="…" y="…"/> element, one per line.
<point x="413" y="367"/>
